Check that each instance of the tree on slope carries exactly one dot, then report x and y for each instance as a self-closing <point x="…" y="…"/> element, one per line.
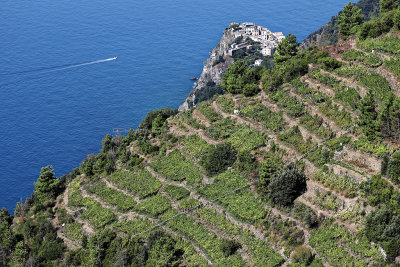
<point x="237" y="77"/>
<point x="46" y="185"/>
<point x="286" y="49"/>
<point x="350" y="17"/>
<point x="287" y="185"/>
<point x="388" y="5"/>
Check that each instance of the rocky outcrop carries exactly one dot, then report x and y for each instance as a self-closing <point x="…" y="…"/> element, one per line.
<point x="214" y="67"/>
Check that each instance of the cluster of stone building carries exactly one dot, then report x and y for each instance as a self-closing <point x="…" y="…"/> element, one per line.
<point x="267" y="39"/>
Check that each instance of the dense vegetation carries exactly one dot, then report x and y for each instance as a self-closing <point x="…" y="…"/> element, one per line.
<point x="296" y="165"/>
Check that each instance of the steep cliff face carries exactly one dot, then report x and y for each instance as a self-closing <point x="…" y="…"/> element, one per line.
<point x="328" y="34"/>
<point x="211" y="77"/>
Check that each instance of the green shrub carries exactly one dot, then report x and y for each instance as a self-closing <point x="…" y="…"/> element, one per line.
<point x="303" y="255"/>
<point x="329" y="63"/>
<point x="350" y="17"/>
<point x="113" y="197"/>
<point x="359" y="56"/>
<point x="260" y="113"/>
<point x="267" y="171"/>
<point x="383" y="226"/>
<point x="237" y="76"/>
<point x="287" y="185"/>
<point x="218" y="158"/>
<point x="229" y="247"/>
<point x="154" y="206"/>
<point x="251" y="89"/>
<point x="188" y="204"/>
<point x="208" y="111"/>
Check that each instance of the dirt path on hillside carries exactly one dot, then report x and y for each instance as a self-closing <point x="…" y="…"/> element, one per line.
<point x="85" y="225"/>
<point x="71" y="244"/>
<point x="201" y="118"/>
<point x="339" y="170"/>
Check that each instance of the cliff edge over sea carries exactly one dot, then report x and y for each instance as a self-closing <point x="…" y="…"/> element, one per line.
<point x="212" y="71"/>
<point x="237" y="42"/>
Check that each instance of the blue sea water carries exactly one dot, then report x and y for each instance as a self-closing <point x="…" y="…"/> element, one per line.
<point x="58" y="118"/>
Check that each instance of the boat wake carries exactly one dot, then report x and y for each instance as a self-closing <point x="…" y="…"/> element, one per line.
<point x="59" y="67"/>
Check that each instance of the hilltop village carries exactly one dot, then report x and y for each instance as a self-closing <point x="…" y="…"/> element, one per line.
<point x="263" y="39"/>
<point x="238" y="41"/>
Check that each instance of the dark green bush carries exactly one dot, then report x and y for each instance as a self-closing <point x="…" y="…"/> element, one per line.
<point x="287" y="185"/>
<point x="251" y="89"/>
<point x="303" y="255"/>
<point x="218" y="158"/>
<point x="329" y="63"/>
<point x="229" y="247"/>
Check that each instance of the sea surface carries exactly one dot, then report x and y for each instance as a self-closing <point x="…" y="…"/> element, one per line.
<point x="57" y="116"/>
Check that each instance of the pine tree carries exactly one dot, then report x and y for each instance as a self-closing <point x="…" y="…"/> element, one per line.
<point x="350" y="17"/>
<point x="46" y="185"/>
<point x="388" y="5"/>
<point x="286" y="49"/>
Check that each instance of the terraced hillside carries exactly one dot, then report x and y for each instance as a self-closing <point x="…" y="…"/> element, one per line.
<point x="157" y="181"/>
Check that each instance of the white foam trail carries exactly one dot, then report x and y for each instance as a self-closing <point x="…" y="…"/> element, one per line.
<point x="58" y="68"/>
<point x="51" y="69"/>
<point x="83" y="64"/>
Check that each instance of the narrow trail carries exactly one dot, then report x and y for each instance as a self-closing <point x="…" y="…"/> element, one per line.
<point x="85" y="225"/>
<point x="201" y="118"/>
<point x="71" y="244"/>
<point x="396" y="187"/>
<point x="339" y="170"/>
